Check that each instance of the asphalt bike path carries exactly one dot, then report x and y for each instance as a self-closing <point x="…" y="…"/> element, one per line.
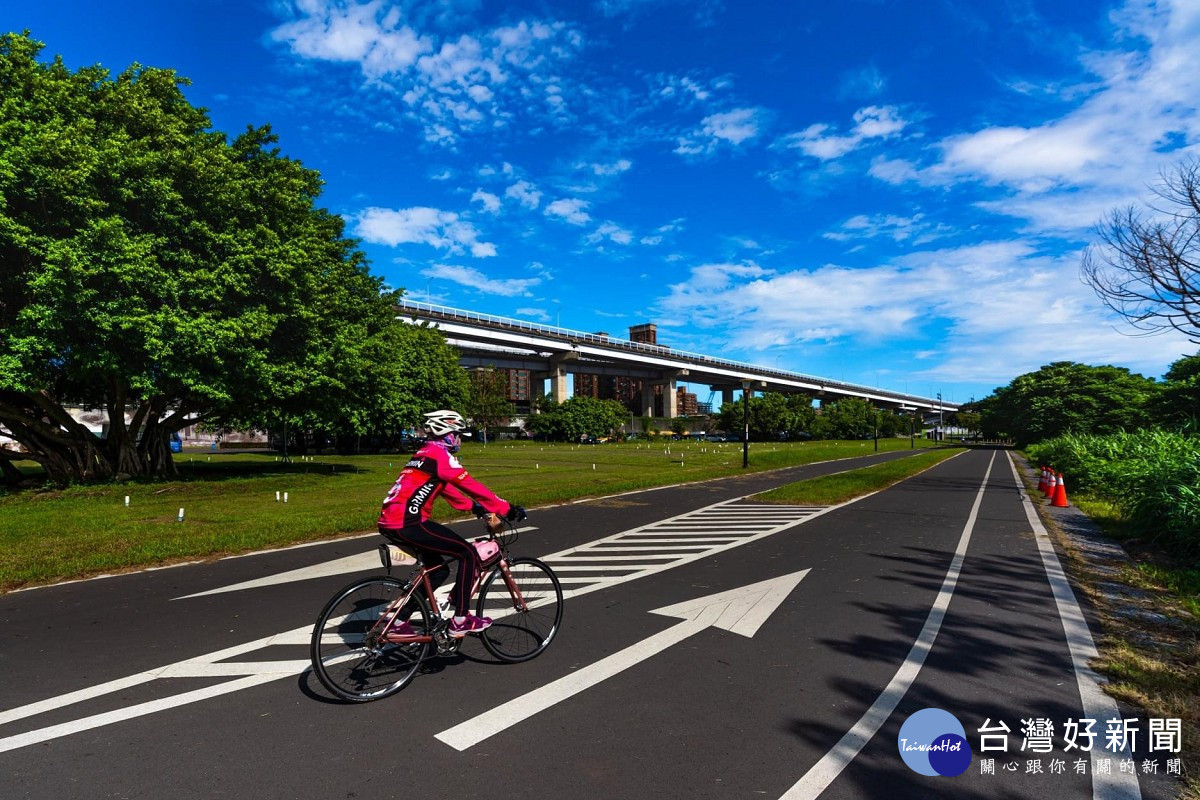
<point x="721" y="711"/>
<point x="138" y="621"/>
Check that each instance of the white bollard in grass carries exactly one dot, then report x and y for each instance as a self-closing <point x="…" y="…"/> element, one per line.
<point x="593" y="467"/>
<point x="127" y="501"/>
<point x="181" y="515"/>
<point x="285" y="497"/>
<point x="277" y="497"/>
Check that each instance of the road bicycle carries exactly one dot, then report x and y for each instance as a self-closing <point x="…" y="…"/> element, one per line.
<point x="356" y="657"/>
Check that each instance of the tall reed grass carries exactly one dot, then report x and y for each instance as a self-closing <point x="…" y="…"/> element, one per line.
<point x="1151" y="477"/>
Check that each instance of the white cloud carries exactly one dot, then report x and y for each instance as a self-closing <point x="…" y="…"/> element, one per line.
<point x="489" y="201"/>
<point x="1006" y="308"/>
<point x="730" y="127"/>
<point x="872" y="122"/>
<point x="572" y="210"/>
<point x="368" y="34"/>
<point x="1140" y="115"/>
<point x="538" y="314"/>
<point x="612" y="232"/>
<point x="524" y="193"/>
<point x="915" y="229"/>
<point x="892" y="170"/>
<point x="452" y="86"/>
<point x="444" y="230"/>
<point x="734" y="126"/>
<point x="615" y="168"/>
<point x="473" y="278"/>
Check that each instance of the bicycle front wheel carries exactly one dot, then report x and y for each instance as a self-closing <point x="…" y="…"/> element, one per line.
<point x="516" y="634"/>
<point x="351" y="657"/>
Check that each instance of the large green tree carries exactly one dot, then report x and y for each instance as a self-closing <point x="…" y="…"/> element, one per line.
<point x="1067" y="397"/>
<point x="849" y="418"/>
<point x="487" y="404"/>
<point x="152" y="266"/>
<point x="772" y="416"/>
<point x="577" y="417"/>
<point x="1179" y="403"/>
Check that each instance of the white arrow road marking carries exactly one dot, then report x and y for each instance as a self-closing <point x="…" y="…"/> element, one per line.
<point x="359" y="562"/>
<point x="784" y="518"/>
<point x="741" y="611"/>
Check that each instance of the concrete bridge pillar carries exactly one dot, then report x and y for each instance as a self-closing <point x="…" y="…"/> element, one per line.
<point x="670" y="399"/>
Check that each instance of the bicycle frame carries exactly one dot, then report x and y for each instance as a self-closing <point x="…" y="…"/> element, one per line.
<point x="421" y="582"/>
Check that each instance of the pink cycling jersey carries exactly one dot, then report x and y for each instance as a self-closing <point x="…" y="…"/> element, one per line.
<point x="431" y="473"/>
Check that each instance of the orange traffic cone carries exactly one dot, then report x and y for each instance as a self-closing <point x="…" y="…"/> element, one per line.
<point x="1042" y="482"/>
<point x="1049" y="490"/>
<point x="1060" y="493"/>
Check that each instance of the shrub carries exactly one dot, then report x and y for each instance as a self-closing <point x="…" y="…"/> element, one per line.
<point x="1151" y="477"/>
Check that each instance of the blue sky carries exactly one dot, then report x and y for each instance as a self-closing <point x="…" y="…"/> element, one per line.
<point x="889" y="193"/>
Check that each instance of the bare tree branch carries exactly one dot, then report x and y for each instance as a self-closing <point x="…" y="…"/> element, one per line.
<point x="1147" y="268"/>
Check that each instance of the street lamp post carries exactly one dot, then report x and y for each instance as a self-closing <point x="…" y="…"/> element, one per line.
<point x="941" y="426"/>
<point x="745" y="424"/>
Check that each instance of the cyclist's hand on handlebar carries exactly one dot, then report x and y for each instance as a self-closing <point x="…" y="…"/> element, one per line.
<point x="478" y="510"/>
<point x="516" y="514"/>
<point x="494" y="523"/>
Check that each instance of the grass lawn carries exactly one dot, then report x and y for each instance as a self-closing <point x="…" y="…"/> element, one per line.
<point x="229" y="498"/>
<point x="833" y="489"/>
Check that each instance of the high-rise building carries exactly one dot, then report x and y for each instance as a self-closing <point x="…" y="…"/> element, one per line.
<point x="685" y="403"/>
<point x="591" y="386"/>
<point x="644" y="334"/>
<point x="518" y="385"/>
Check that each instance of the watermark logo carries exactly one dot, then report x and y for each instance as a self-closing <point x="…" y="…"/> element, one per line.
<point x="933" y="742"/>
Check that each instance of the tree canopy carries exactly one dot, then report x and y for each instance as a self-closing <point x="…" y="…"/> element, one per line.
<point x="152" y="266"/>
<point x="577" y="417"/>
<point x="772" y="415"/>
<point x="487" y="404"/>
<point x="1067" y="397"/>
<point x="1179" y="402"/>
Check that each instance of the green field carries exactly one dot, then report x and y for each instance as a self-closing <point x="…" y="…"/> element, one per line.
<point x="230" y="507"/>
<point x="830" y="490"/>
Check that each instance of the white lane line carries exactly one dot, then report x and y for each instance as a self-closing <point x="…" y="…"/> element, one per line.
<point x="635" y="547"/>
<point x="360" y="562"/>
<point x="575" y="557"/>
<point x="665" y="537"/>
<point x="99" y="690"/>
<point x="121" y="714"/>
<point x="628" y="568"/>
<point x="825" y="771"/>
<point x="1096" y="704"/>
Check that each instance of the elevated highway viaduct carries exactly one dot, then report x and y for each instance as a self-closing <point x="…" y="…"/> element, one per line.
<point x="555" y="353"/>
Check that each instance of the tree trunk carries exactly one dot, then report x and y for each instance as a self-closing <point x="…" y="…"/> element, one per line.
<point x="8" y="470"/>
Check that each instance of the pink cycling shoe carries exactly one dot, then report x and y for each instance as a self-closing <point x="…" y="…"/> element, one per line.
<point x="470" y="624"/>
<point x="401" y="628"/>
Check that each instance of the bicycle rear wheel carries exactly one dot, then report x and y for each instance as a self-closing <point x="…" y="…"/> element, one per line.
<point x="350" y="656"/>
<point x="517" y="635"/>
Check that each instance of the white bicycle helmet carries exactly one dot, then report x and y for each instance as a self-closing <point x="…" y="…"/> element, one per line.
<point x="445" y="421"/>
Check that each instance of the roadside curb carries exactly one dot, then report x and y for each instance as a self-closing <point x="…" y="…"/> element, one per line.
<point x="1098" y="562"/>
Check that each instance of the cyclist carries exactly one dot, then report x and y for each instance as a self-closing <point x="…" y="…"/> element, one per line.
<point x="434" y="472"/>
